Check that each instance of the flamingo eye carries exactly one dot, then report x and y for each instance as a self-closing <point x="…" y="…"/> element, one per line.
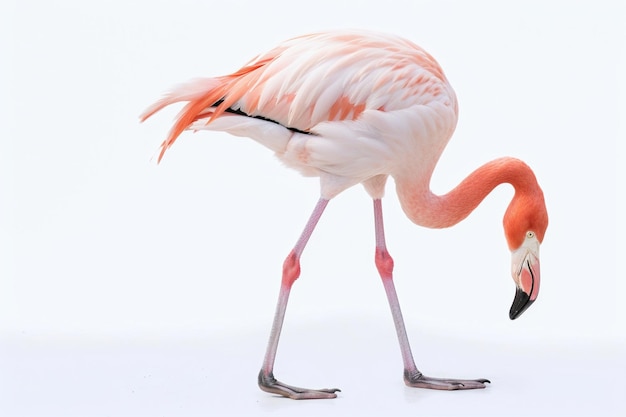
<point x="530" y="234"/>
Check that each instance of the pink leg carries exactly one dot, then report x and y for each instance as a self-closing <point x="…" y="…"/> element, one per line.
<point x="412" y="376"/>
<point x="291" y="272"/>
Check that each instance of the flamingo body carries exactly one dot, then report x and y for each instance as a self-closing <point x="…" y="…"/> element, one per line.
<point x="356" y="107"/>
<point x="345" y="106"/>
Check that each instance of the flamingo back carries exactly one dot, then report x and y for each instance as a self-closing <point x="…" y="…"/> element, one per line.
<point x="309" y="81"/>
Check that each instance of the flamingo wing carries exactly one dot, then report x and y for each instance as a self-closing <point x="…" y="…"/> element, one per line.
<point x="323" y="102"/>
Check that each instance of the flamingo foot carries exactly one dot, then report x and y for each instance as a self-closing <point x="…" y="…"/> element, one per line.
<point x="268" y="383"/>
<point x="418" y="380"/>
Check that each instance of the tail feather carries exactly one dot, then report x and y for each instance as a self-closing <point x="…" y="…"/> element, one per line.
<point x="191" y="90"/>
<point x="201" y="94"/>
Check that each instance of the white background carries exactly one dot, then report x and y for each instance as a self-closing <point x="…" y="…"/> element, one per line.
<point x="129" y="288"/>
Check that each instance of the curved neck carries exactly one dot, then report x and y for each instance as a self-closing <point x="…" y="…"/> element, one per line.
<point x="429" y="210"/>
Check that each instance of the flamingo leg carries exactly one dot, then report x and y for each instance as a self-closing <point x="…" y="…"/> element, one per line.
<point x="291" y="272"/>
<point x="412" y="376"/>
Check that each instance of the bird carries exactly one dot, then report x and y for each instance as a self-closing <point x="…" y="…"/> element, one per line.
<point x="352" y="107"/>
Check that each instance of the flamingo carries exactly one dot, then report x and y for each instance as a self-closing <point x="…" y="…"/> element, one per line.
<point x="355" y="107"/>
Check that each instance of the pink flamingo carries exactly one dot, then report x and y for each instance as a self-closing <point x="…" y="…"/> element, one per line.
<point x="355" y="107"/>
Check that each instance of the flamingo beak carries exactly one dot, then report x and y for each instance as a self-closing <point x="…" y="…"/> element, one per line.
<point x="526" y="276"/>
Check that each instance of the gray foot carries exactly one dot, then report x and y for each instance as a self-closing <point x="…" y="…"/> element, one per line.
<point x="270" y="384"/>
<point x="418" y="380"/>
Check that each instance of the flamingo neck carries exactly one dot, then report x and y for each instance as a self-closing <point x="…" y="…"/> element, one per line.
<point x="427" y="209"/>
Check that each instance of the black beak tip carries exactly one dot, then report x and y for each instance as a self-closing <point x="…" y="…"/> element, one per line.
<point x="521" y="302"/>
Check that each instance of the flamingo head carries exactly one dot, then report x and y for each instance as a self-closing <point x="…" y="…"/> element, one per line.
<point x="525" y="224"/>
